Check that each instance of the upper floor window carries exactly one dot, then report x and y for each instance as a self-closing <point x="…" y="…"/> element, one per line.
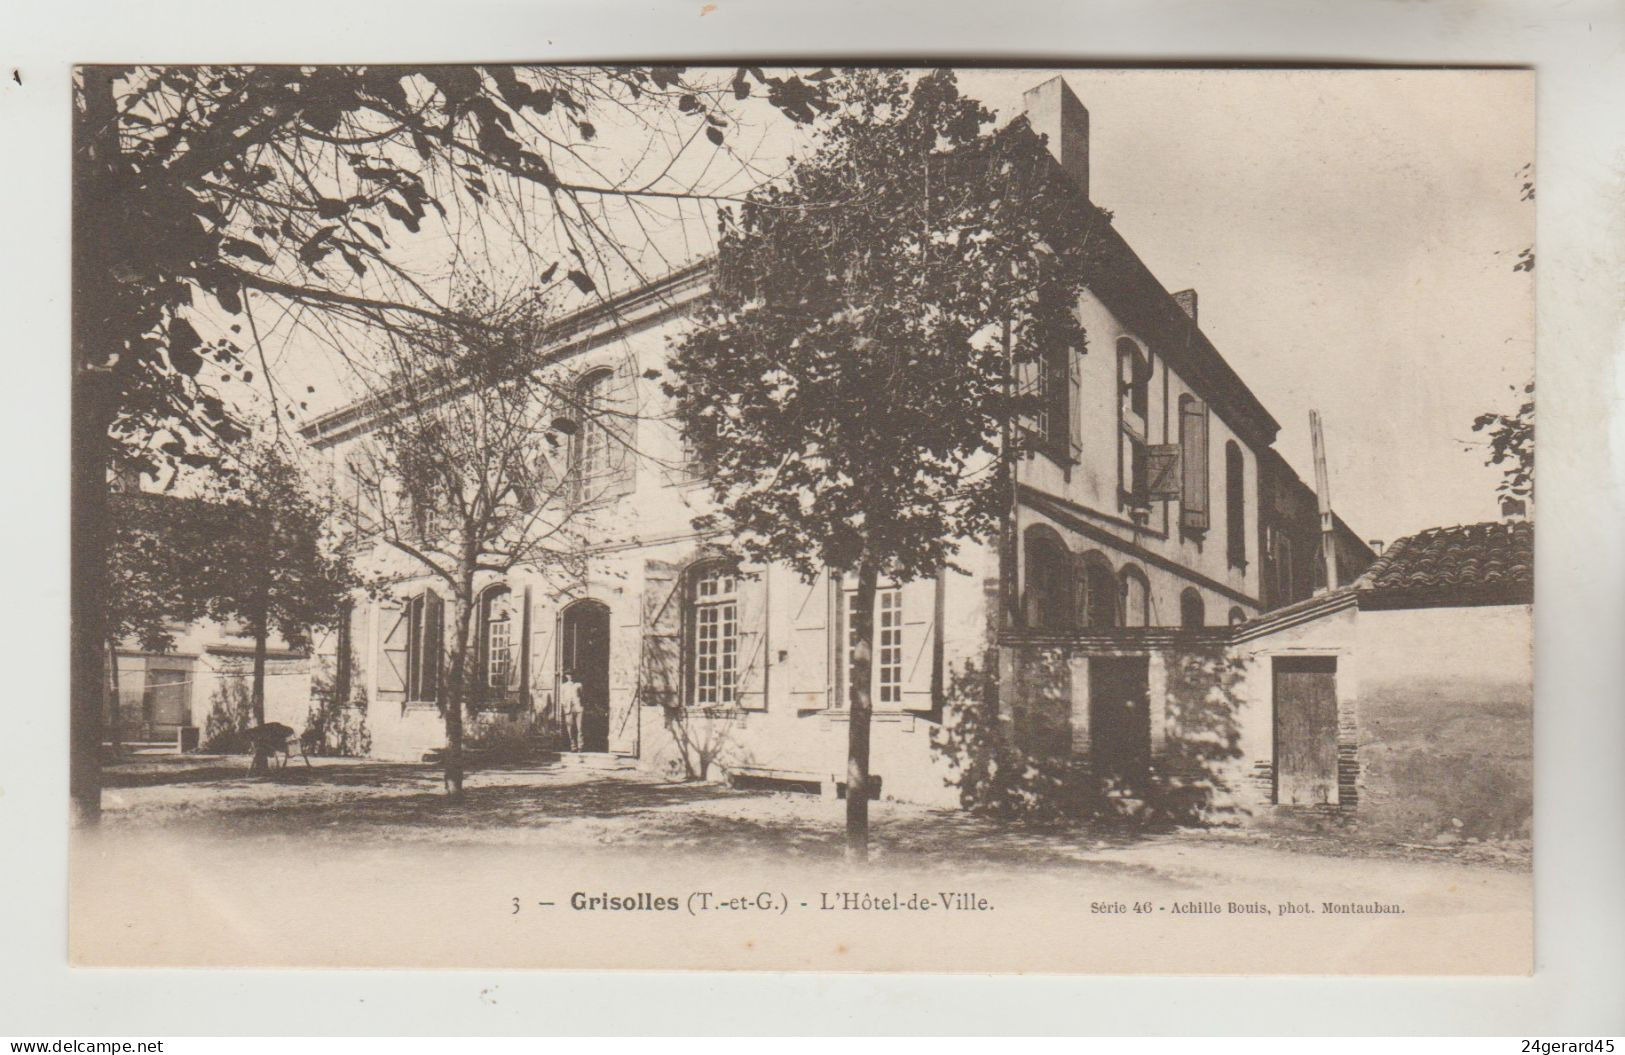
<point x="886" y="664"/>
<point x="594" y="440"/>
<point x="1047" y="599"/>
<point x="1047" y="381"/>
<point x="1192" y="612"/>
<point x="1235" y="505"/>
<point x="1134" y="415"/>
<point x="1193" y="503"/>
<point x="713" y="601"/>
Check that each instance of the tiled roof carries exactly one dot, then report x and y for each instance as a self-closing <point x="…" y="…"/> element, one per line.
<point x="1496" y="558"/>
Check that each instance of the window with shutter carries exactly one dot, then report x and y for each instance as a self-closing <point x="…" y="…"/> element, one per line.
<point x="1133" y="415"/>
<point x="1193" y="506"/>
<point x="1235" y="505"/>
<point x="714" y="608"/>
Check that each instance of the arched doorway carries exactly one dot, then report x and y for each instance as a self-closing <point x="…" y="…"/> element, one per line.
<point x="584" y="655"/>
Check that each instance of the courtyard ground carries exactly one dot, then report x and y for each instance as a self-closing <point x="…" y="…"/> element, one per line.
<point x="362" y="863"/>
<point x="562" y="805"/>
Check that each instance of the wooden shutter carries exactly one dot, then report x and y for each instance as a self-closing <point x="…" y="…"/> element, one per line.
<point x="392" y="645"/>
<point x="625" y="658"/>
<point x="1193" y="443"/>
<point x="919" y="644"/>
<point x="1074" y="401"/>
<point x="752" y="683"/>
<point x="434" y="647"/>
<point x="623" y="423"/>
<point x="357" y="614"/>
<point x="519" y="644"/>
<point x="660" y="668"/>
<point x="811" y="623"/>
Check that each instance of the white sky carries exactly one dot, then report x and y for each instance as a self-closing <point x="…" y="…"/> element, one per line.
<point x="1351" y="235"/>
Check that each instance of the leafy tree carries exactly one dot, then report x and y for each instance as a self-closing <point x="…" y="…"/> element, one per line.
<point x="162" y="570"/>
<point x="1512" y="445"/>
<point x="850" y="382"/>
<point x="278" y="566"/>
<point x="457" y="475"/>
<point x="199" y="190"/>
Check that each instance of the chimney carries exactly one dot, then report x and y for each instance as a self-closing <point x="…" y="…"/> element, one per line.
<point x="1186" y="299"/>
<point x="1514" y="508"/>
<point x="1376" y="545"/>
<point x="1055" y="113"/>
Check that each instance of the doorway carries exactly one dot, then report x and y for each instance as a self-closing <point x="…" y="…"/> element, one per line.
<point x="1305" y="691"/>
<point x="1120" y="718"/>
<point x="584" y="647"/>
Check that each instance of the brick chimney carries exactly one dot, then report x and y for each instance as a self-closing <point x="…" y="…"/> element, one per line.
<point x="1186" y="299"/>
<point x="1376" y="545"/>
<point x="1054" y="112"/>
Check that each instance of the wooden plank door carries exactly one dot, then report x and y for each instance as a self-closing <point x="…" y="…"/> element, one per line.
<point x="1120" y="718"/>
<point x="1305" y="689"/>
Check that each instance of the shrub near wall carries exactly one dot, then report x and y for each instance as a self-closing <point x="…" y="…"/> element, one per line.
<point x="1185" y="784"/>
<point x="231" y="713"/>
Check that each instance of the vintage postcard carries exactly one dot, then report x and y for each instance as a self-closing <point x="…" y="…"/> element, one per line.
<point x="848" y="518"/>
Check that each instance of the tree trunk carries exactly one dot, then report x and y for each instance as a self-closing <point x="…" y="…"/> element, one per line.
<point x="262" y="756"/>
<point x="454" y="695"/>
<point x="115" y="704"/>
<point x="93" y="397"/>
<point x="860" y="708"/>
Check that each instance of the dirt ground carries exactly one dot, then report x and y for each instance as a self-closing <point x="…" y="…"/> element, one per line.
<point x="366" y="864"/>
<point x="564" y="805"/>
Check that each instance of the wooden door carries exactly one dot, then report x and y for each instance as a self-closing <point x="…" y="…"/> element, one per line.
<point x="1120" y="718"/>
<point x="1305" y="689"/>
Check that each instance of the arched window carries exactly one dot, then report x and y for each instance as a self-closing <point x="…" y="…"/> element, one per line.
<point x="1099" y="609"/>
<point x="712" y="629"/>
<point x="598" y="457"/>
<point x="1192" y="613"/>
<point x="1235" y="505"/>
<point x="496" y="638"/>
<point x="1134" y="421"/>
<point x="1193" y="500"/>
<point x="1136" y="597"/>
<point x="1047" y="598"/>
<point x="1237" y="617"/>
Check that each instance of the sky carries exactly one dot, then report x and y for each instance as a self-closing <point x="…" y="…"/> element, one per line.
<point x="1351" y="235"/>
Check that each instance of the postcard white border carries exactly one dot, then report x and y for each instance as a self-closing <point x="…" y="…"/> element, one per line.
<point x="1580" y="733"/>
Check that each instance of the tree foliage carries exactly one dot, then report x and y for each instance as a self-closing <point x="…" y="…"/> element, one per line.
<point x="164" y="566"/>
<point x="1512" y="445"/>
<point x="851" y="379"/>
<point x="201" y="187"/>
<point x="280" y="565"/>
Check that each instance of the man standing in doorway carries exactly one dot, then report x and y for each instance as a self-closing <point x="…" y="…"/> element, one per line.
<point x="570" y="710"/>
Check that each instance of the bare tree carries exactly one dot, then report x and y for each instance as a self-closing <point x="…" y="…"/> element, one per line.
<point x="466" y="473"/>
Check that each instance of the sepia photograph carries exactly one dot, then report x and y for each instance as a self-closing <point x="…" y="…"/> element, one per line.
<point x="816" y="518"/>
